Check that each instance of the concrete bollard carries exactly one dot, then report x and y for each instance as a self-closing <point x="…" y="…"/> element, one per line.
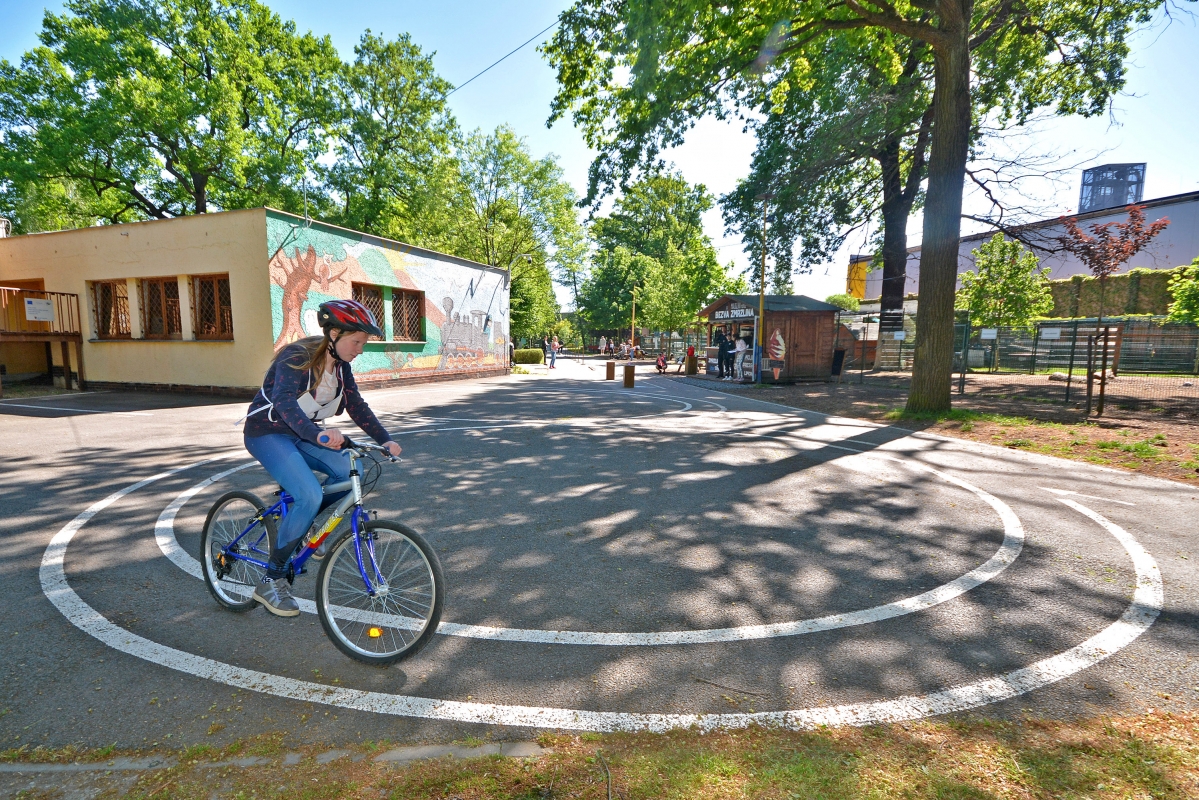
<point x="611" y="376"/>
<point x="629" y="370"/>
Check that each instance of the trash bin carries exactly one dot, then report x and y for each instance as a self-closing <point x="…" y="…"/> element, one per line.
<point x="629" y="370"/>
<point x="611" y="375"/>
<point x="838" y="361"/>
<point x="692" y="367"/>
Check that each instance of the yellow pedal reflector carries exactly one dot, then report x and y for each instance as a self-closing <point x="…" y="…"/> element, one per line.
<point x="375" y="633"/>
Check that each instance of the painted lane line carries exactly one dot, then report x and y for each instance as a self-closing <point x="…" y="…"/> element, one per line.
<point x="1065" y="492"/>
<point x="79" y="410"/>
<point x="55" y="396"/>
<point x="1140" y="614"/>
<point x="1009" y="550"/>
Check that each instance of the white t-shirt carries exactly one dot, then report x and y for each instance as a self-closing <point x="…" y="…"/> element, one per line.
<point x="326" y="390"/>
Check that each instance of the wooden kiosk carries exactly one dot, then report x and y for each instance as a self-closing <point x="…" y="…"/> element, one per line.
<point x="800" y="333"/>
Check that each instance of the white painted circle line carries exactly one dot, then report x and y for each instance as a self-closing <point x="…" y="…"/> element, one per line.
<point x="1009" y="550"/>
<point x="1146" y="605"/>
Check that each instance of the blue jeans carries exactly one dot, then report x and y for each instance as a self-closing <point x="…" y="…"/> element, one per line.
<point x="290" y="460"/>
<point x="553" y="357"/>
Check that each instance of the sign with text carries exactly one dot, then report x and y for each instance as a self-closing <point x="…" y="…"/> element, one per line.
<point x="737" y="311"/>
<point x="989" y="333"/>
<point x="1051" y="333"/>
<point x="900" y="335"/>
<point x="39" y="310"/>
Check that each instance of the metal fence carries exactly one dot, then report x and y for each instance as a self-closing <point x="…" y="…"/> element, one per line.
<point x="1143" y="364"/>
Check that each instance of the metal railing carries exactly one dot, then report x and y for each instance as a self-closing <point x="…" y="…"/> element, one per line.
<point x="55" y="313"/>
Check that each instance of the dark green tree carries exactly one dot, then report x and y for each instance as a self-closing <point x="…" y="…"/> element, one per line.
<point x="393" y="140"/>
<point x="688" y="58"/>
<point x="158" y="108"/>
<point x="845" y="151"/>
<point x="516" y="212"/>
<point x="655" y="226"/>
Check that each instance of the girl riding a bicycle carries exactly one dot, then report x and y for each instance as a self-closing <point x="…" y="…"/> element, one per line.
<point x="309" y="381"/>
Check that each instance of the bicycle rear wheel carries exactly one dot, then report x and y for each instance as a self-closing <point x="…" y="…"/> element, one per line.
<point x="401" y="613"/>
<point x="230" y="580"/>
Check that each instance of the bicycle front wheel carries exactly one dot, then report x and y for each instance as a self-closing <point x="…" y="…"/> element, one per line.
<point x="380" y="594"/>
<point x="231" y="579"/>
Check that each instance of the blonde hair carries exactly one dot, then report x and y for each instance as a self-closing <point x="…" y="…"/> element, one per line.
<point x="315" y="348"/>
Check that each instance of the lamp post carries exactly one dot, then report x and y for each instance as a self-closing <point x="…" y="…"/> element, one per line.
<point x="633" y="325"/>
<point x="764" y="196"/>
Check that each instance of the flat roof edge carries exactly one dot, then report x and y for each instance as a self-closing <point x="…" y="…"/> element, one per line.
<point x="391" y="243"/>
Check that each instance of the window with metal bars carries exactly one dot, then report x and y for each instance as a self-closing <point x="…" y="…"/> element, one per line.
<point x="160" y="308"/>
<point x="372" y="298"/>
<point x="110" y="301"/>
<point x="406" y="322"/>
<point x="212" y="314"/>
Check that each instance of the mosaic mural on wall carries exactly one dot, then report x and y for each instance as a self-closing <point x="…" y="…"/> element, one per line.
<point x="465" y="309"/>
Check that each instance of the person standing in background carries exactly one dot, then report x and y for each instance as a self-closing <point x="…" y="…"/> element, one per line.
<point x="603" y="344"/>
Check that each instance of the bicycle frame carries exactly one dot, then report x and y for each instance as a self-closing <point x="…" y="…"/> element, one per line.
<point x="351" y="503"/>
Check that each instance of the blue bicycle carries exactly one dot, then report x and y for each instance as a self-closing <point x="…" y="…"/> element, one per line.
<point x="379" y="590"/>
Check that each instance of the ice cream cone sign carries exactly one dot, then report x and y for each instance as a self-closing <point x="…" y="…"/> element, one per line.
<point x="776" y="372"/>
<point x="776" y="348"/>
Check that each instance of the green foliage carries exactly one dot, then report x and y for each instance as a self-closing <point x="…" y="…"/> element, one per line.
<point x="55" y="205"/>
<point x="161" y="107"/>
<point x="1006" y="288"/>
<point x="1184" y="287"/>
<point x="516" y="212"/>
<point x="667" y="304"/>
<point x="136" y="109"/>
<point x="392" y="140"/>
<point x="845" y="301"/>
<point x="653" y="239"/>
<point x="1139" y="292"/>
<point x="532" y="355"/>
<point x="567" y="335"/>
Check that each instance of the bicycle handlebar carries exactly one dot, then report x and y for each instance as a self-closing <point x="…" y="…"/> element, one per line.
<point x="349" y="444"/>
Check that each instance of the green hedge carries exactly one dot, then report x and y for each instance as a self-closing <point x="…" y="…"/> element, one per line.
<point x="1138" y="291"/>
<point x="529" y="356"/>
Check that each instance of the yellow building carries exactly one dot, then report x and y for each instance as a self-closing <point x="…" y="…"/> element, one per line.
<point x="203" y="302"/>
<point x="855" y="276"/>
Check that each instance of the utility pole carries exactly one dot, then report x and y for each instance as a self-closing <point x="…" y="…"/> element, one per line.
<point x="762" y="290"/>
<point x="633" y="325"/>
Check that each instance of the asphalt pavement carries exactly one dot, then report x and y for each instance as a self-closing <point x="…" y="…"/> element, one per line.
<point x="615" y="559"/>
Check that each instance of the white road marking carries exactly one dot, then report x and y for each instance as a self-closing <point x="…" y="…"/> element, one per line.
<point x="79" y="410"/>
<point x="1138" y="617"/>
<point x="1088" y="496"/>
<point x="1009" y="550"/>
<point x="55" y="396"/>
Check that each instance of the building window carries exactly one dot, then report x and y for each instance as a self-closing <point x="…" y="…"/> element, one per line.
<point x="110" y="300"/>
<point x="406" y="315"/>
<point x="212" y="315"/>
<point x="160" y="308"/>
<point x="372" y="298"/>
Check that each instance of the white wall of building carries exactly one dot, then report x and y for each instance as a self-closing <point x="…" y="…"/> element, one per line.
<point x="1177" y="244"/>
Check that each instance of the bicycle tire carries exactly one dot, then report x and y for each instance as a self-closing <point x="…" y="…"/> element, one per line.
<point x="390" y="626"/>
<point x="227" y="518"/>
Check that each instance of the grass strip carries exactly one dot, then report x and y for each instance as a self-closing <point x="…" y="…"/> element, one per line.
<point x="1154" y="755"/>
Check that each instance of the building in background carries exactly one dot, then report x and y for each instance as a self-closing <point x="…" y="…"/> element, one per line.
<point x="203" y="302"/>
<point x="1177" y="244"/>
<point x="1111" y="186"/>
<point x="855" y="276"/>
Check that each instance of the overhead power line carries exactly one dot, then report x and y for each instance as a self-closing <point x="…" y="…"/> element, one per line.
<point x="522" y="44"/>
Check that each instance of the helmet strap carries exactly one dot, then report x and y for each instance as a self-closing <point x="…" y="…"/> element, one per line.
<point x="332" y="346"/>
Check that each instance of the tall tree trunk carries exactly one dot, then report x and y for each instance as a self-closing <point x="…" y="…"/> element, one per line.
<point x="895" y="229"/>
<point x="200" y="182"/>
<point x="933" y="366"/>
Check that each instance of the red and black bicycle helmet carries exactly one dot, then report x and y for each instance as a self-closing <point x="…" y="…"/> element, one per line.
<point x="347" y="315"/>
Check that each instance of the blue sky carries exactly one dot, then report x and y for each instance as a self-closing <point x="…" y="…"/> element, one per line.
<point x="1156" y="120"/>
